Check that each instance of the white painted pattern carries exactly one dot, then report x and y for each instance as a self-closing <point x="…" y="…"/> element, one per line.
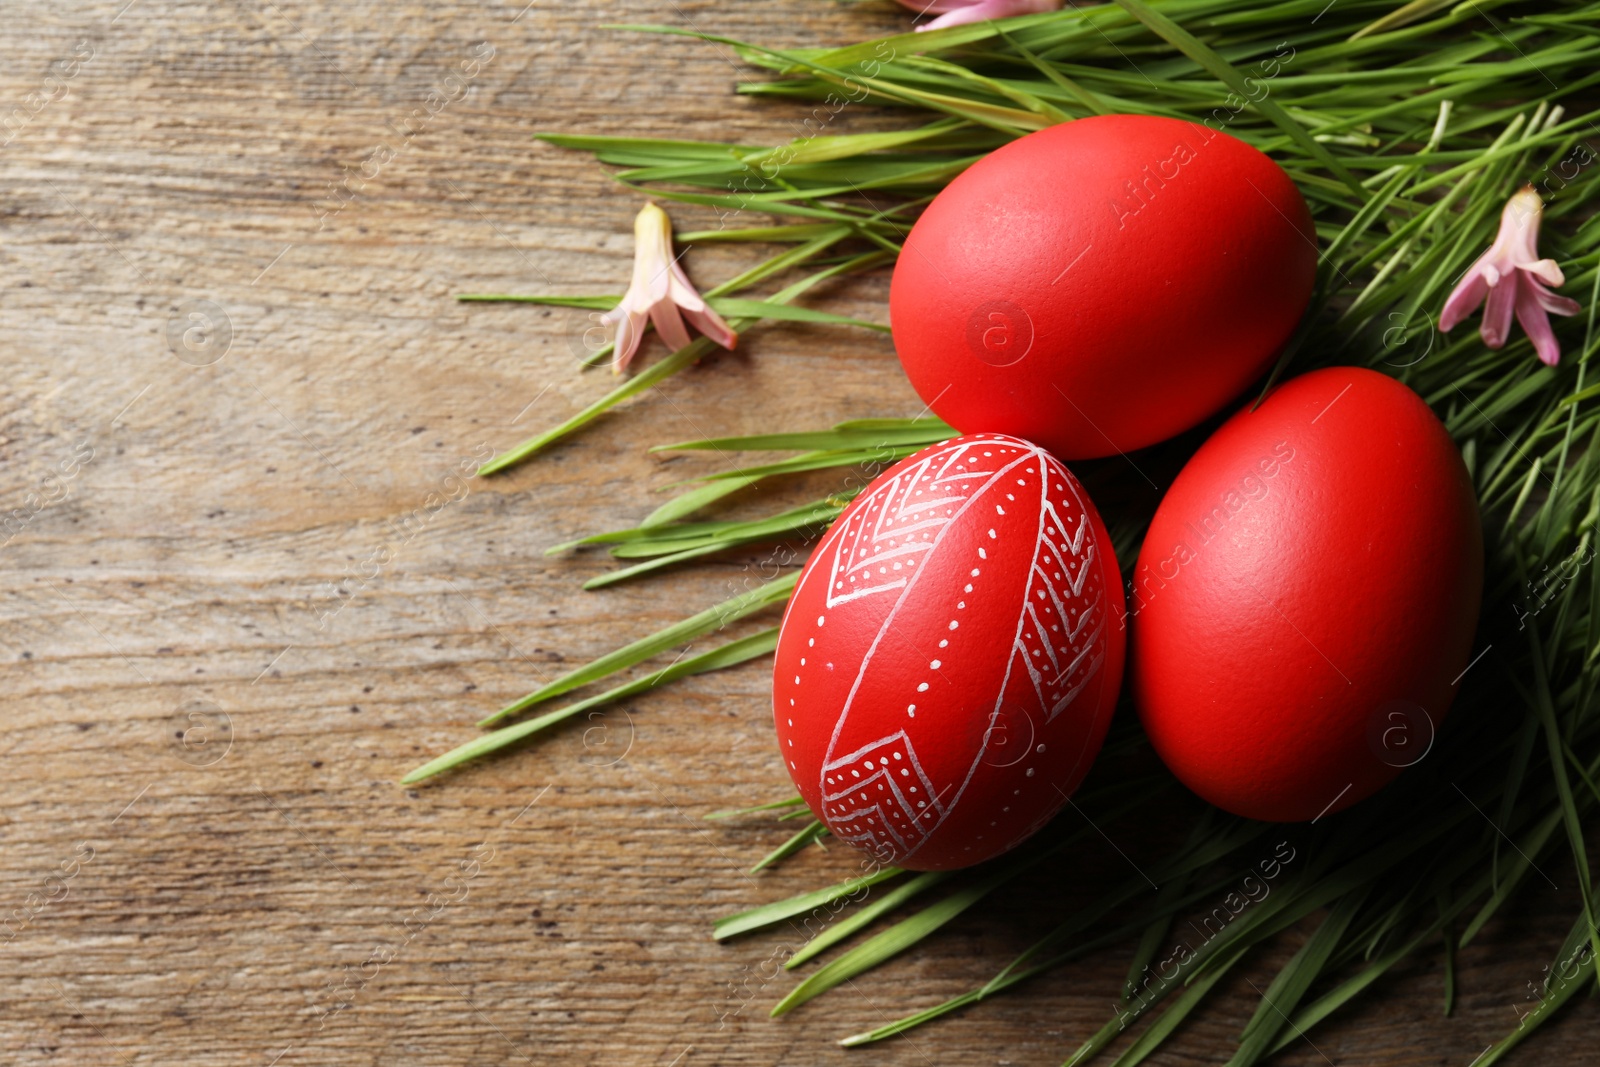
<point x="883" y="539"/>
<point x="879" y="795"/>
<point x="1053" y="625"/>
<point x="881" y="791"/>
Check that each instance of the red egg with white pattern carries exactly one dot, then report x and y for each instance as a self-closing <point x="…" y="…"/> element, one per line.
<point x="950" y="659"/>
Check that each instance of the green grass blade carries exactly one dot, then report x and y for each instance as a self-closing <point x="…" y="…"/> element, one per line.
<point x="792" y="907"/>
<point x="812" y="831"/>
<point x="775" y="805"/>
<point x="696" y="499"/>
<point x="1168" y="1021"/>
<point x="1283" y="995"/>
<point x="884" y="946"/>
<point x="711" y="619"/>
<point x="917" y="432"/>
<point x="1230" y="76"/>
<point x="866" y="916"/>
<point x="729" y="655"/>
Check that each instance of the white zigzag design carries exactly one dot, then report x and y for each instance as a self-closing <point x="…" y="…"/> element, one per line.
<point x="1054" y="632"/>
<point x="894" y="512"/>
<point x="880" y="793"/>
<point x="864" y="798"/>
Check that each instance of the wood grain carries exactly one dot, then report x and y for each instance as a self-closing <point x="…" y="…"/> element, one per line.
<point x="206" y="859"/>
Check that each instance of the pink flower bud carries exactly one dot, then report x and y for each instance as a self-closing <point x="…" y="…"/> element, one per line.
<point x="660" y="290"/>
<point x="1510" y="278"/>
<point x="960" y="12"/>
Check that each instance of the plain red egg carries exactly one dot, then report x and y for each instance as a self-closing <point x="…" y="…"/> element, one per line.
<point x="1304" y="604"/>
<point x="951" y="656"/>
<point x="1102" y="285"/>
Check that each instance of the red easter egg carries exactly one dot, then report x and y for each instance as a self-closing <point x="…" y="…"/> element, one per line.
<point x="951" y="656"/>
<point x="1305" y="600"/>
<point x="1102" y="285"/>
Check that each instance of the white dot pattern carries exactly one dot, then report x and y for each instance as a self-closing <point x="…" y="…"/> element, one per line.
<point x="875" y="791"/>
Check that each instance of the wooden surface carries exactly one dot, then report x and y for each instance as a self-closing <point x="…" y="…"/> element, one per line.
<point x="206" y="858"/>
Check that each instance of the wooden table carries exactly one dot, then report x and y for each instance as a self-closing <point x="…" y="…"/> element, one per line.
<point x="245" y="587"/>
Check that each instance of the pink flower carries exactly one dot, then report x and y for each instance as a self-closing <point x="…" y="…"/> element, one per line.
<point x="1509" y="275"/>
<point x="658" y="292"/>
<point x="960" y="12"/>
